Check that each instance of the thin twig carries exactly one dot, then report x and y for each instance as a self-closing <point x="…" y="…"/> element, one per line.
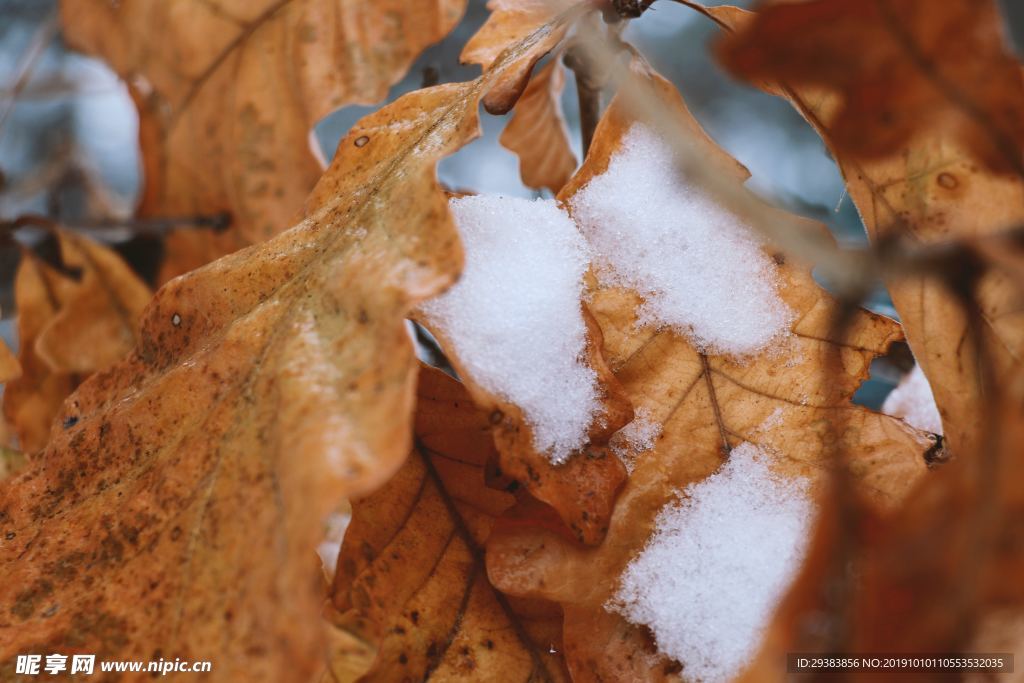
<point x="97" y="229"/>
<point x="44" y="34"/>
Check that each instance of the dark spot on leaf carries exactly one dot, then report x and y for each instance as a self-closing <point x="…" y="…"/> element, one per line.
<point x="70" y="421"/>
<point x="362" y="140"/>
<point x="947" y="180"/>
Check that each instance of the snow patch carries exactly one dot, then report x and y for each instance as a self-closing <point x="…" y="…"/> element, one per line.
<point x="913" y="401"/>
<point x="515" y="318"/>
<point x="719" y="561"/>
<point x="700" y="269"/>
<point x="636" y="437"/>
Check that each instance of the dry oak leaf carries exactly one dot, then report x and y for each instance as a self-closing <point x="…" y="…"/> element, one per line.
<point x="10" y="461"/>
<point x="510" y="21"/>
<point x="229" y="94"/>
<point x="537" y="132"/>
<point x="69" y="327"/>
<point x="32" y="400"/>
<point x="781" y="400"/>
<point x="583" y="489"/>
<point x="941" y="575"/>
<point x="926" y="181"/>
<point x="10" y="368"/>
<point x="900" y="68"/>
<point x="411" y="576"/>
<point x="180" y="498"/>
<point x="98" y="323"/>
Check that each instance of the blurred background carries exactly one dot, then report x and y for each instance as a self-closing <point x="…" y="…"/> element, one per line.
<point x="69" y="150"/>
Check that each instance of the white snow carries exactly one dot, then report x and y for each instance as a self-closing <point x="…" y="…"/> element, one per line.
<point x="636" y="437"/>
<point x="913" y="401"/>
<point x="698" y="267"/>
<point x="515" y="318"/>
<point x="719" y="561"/>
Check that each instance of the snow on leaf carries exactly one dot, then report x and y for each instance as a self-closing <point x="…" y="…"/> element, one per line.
<point x="411" y="577"/>
<point x="518" y="333"/>
<point x="707" y="405"/>
<point x="698" y="268"/>
<point x="514" y="323"/>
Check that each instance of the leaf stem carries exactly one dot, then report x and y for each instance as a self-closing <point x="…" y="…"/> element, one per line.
<point x="588" y="92"/>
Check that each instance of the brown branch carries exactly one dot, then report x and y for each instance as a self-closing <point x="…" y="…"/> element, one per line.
<point x="701" y="9"/>
<point x="97" y="229"/>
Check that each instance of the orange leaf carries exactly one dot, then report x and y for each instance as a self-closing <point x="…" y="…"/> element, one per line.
<point x="510" y="21"/>
<point x="97" y="325"/>
<point x="411" y="576"/>
<point x="706" y="404"/>
<point x="537" y="132"/>
<point x="230" y="92"/>
<point x="898" y="69"/>
<point x="940" y="575"/>
<point x="32" y="400"/>
<point x="10" y="368"/>
<point x="274" y="381"/>
<point x="69" y="328"/>
<point x="933" y="96"/>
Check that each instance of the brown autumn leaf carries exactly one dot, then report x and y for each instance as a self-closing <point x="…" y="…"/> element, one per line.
<point x="537" y="132"/>
<point x="582" y="489"/>
<point x="900" y="69"/>
<point x="32" y="400"/>
<point x="942" y="90"/>
<point x="10" y="368"/>
<point x="705" y="405"/>
<point x="180" y="497"/>
<point x="510" y="21"/>
<point x="940" y="575"/>
<point x="97" y="324"/>
<point x="411" y="576"/>
<point x="10" y="461"/>
<point x="69" y="327"/>
<point x="229" y="93"/>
